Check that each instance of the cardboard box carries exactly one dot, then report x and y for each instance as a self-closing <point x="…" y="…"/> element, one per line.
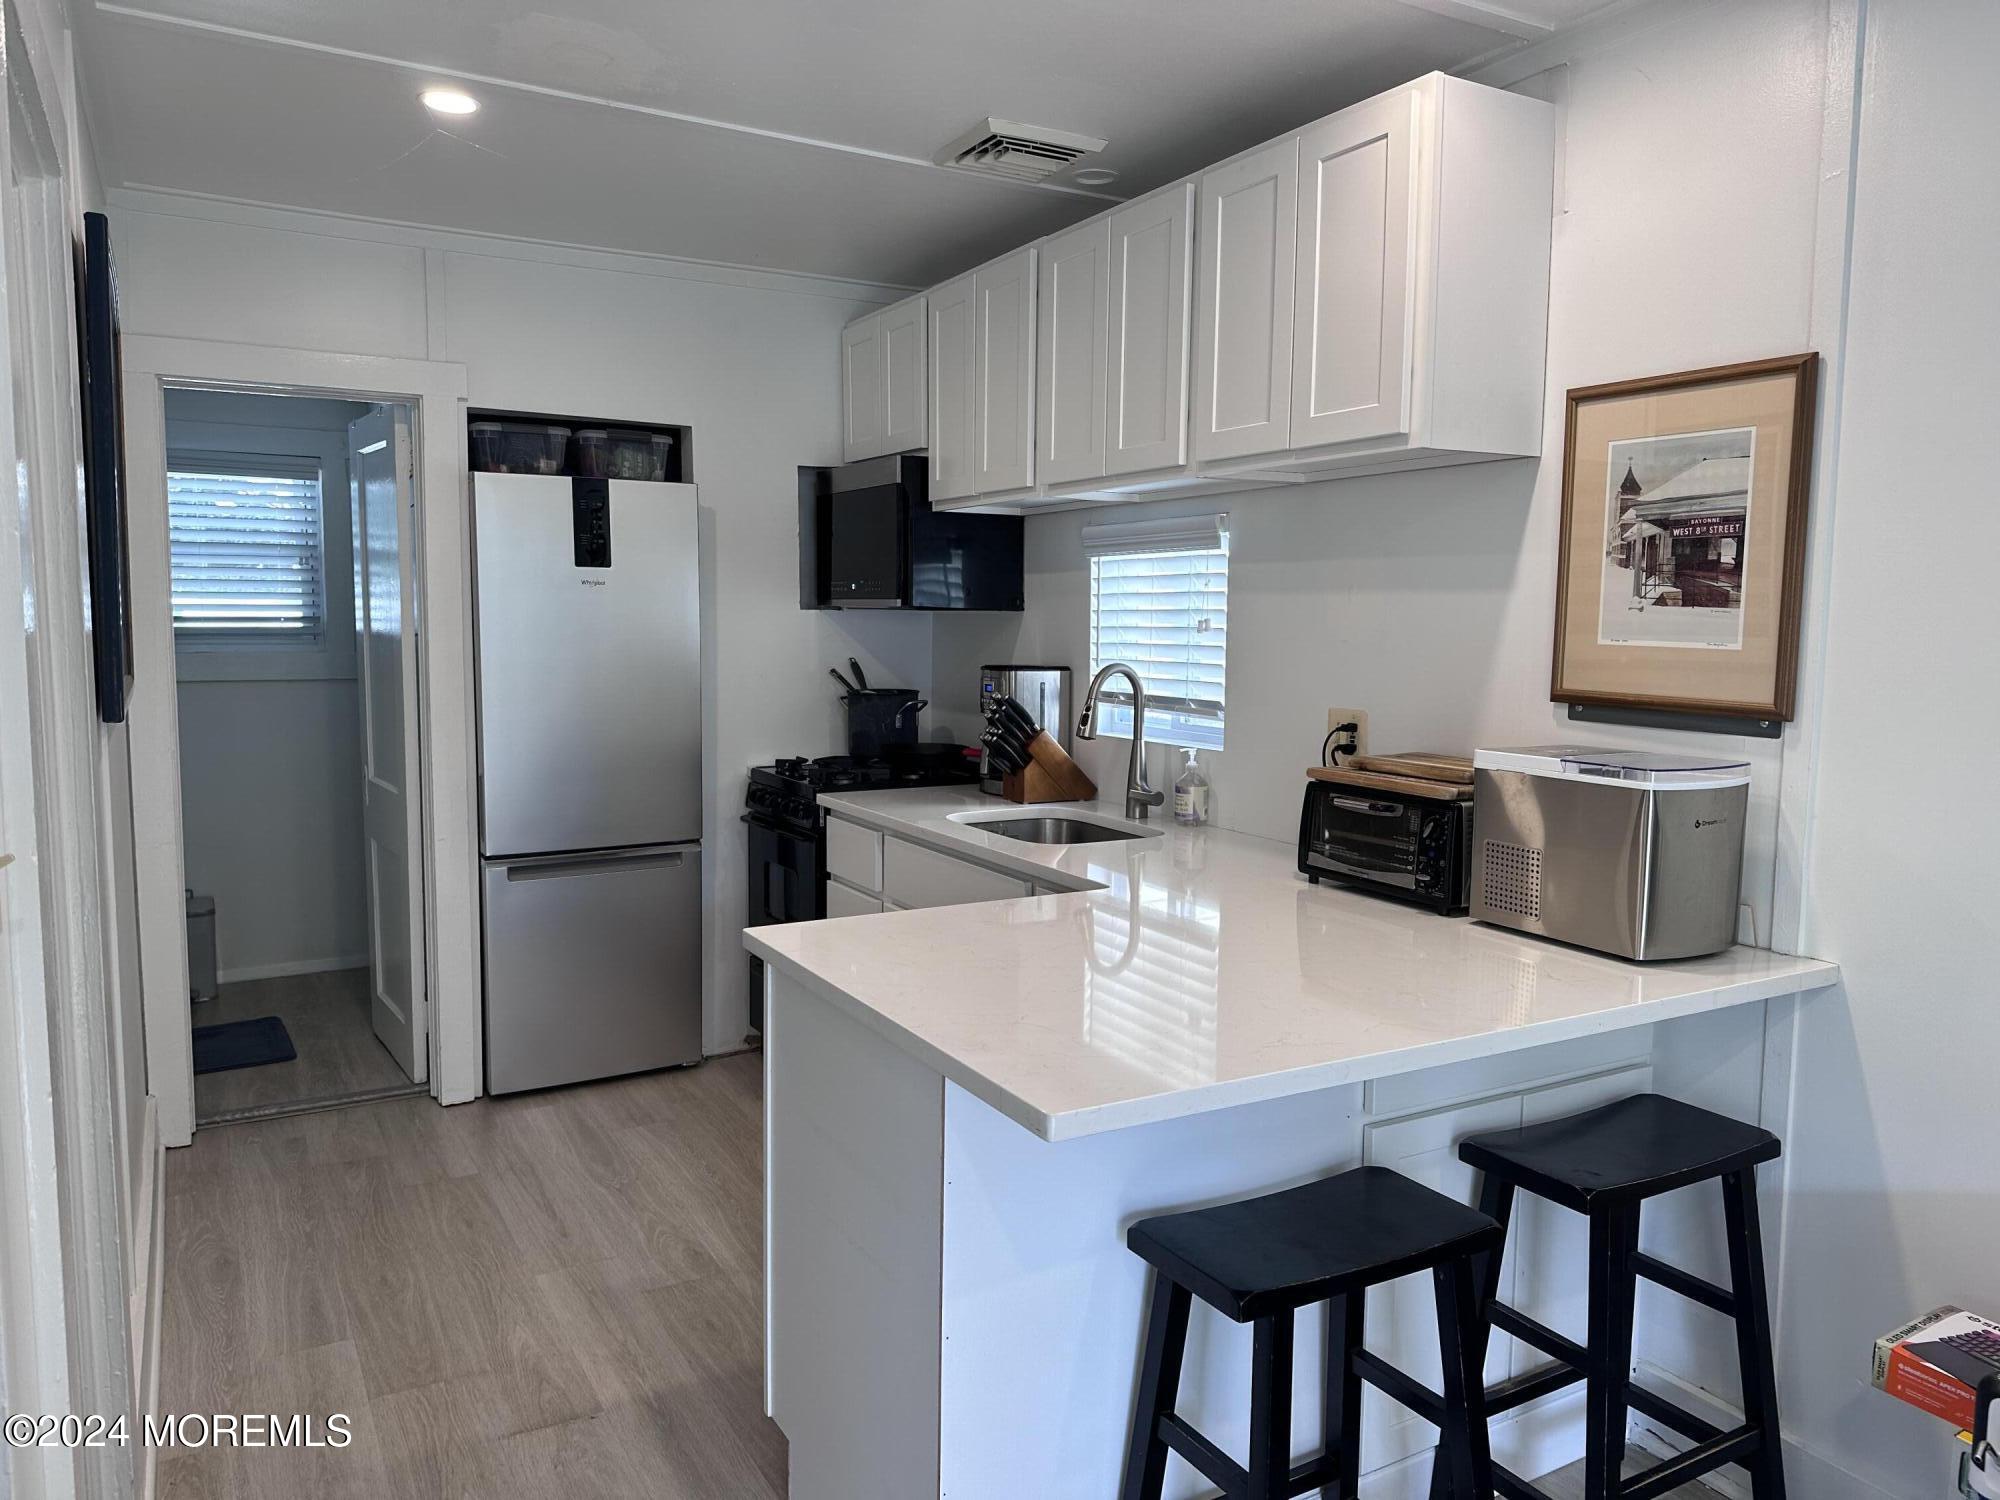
<point x="1936" y="1362"/>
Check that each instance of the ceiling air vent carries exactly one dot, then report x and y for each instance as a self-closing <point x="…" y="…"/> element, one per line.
<point x="1026" y="153"/>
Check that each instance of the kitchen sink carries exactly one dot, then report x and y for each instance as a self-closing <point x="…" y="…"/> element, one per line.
<point x="1053" y="830"/>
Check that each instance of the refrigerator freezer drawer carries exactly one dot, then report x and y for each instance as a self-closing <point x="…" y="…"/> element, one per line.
<point x="593" y="966"/>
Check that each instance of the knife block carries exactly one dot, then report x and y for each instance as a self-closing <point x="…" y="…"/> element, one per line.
<point x="1049" y="776"/>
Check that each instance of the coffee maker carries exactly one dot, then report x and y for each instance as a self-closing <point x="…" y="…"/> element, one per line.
<point x="1043" y="691"/>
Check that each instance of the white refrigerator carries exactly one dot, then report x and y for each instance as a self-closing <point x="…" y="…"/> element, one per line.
<point x="587" y="616"/>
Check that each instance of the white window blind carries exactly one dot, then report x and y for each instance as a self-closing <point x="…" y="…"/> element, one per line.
<point x="248" y="551"/>
<point x="1159" y="601"/>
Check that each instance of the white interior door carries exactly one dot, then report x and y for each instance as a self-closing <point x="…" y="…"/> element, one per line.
<point x="384" y="493"/>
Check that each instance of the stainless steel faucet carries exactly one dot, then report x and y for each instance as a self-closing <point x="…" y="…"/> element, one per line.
<point x="1138" y="796"/>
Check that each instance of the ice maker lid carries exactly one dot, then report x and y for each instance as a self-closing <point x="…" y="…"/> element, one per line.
<point x="1650" y="768"/>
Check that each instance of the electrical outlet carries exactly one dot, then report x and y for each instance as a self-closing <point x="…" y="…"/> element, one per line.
<point x="1357" y="742"/>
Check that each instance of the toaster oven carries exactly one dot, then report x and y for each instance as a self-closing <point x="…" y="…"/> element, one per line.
<point x="1416" y="849"/>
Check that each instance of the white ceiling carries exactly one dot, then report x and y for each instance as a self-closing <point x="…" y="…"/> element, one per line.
<point x="789" y="134"/>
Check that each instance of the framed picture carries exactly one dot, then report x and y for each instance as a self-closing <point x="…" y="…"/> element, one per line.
<point x="1683" y="540"/>
<point x="104" y="472"/>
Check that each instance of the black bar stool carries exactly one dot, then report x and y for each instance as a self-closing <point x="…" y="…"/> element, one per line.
<point x="1604" y="1164"/>
<point x="1261" y="1260"/>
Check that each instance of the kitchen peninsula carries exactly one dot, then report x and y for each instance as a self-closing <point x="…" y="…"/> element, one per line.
<point x="967" y="1103"/>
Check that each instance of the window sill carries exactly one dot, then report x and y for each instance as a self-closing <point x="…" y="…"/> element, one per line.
<point x="263" y="666"/>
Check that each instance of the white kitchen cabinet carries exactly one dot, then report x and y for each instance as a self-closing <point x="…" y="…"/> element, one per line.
<point x="842" y="900"/>
<point x="1146" y="375"/>
<point x="884" y="389"/>
<point x="906" y="386"/>
<point x="1374" y="291"/>
<point x="1003" y="374"/>
<point x="913" y="876"/>
<point x="1367" y="294"/>
<point x="951" y="389"/>
<point x="1352" y="297"/>
<point x="1243" y="349"/>
<point x="864" y="412"/>
<point x="1072" y="305"/>
<point x="854" y="854"/>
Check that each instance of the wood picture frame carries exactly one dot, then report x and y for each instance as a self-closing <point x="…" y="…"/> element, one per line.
<point x="1681" y="556"/>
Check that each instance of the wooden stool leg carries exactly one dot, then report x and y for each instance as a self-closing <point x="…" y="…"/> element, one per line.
<point x="1346" y="1326"/>
<point x="1614" y="1236"/>
<point x="1753" y="1331"/>
<point x="1271" y="1407"/>
<point x="1496" y="1201"/>
<point x="1159" y="1386"/>
<point x="1463" y="1456"/>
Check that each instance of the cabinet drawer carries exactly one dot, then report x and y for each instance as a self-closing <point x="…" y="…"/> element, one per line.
<point x="913" y="876"/>
<point x="854" y="854"/>
<point x="845" y="901"/>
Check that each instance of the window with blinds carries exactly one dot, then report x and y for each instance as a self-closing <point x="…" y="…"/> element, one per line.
<point x="1159" y="601"/>
<point x="248" y="549"/>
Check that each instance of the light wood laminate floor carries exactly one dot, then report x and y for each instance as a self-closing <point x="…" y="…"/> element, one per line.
<point x="554" y="1294"/>
<point x="551" y="1295"/>
<point x="327" y="1016"/>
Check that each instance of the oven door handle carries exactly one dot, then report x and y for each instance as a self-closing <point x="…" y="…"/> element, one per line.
<point x="1366" y="808"/>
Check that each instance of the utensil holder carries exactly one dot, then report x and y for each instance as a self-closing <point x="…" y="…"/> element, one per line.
<point x="1050" y="776"/>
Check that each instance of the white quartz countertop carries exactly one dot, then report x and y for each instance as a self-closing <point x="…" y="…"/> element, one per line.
<point x="1197" y="969"/>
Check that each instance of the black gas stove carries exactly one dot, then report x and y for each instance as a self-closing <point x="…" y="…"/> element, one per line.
<point x="787" y="828"/>
<point x="786" y="791"/>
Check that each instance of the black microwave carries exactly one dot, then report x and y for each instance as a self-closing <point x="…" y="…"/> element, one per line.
<point x="872" y="541"/>
<point x="1416" y="849"/>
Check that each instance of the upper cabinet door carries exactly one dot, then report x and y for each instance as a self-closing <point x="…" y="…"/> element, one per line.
<point x="1243" y="337"/>
<point x="1003" y="374"/>
<point x="905" y="389"/>
<point x="1146" y="385"/>
<point x="1351" y="345"/>
<point x="863" y="390"/>
<point x="1069" y="389"/>
<point x="951" y="394"/>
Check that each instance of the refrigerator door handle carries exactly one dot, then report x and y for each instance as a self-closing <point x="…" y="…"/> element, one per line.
<point x="553" y="866"/>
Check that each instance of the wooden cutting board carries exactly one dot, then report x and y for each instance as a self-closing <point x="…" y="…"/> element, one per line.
<point x="1425" y="765"/>
<point x="1409" y="786"/>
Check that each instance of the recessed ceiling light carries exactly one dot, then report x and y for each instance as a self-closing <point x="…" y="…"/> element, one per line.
<point x="448" y="102"/>
<point x="1094" y="176"/>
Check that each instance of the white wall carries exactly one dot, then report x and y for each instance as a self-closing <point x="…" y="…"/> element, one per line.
<point x="1896" y="1178"/>
<point x="1684" y="237"/>
<point x="749" y="361"/>
<point x="271" y="742"/>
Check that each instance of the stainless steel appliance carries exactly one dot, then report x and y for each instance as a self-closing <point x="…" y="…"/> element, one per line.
<point x="1629" y="852"/>
<point x="1043" y="691"/>
<point x="1414" y="848"/>
<point x="869" y="539"/>
<point x="587" y="616"/>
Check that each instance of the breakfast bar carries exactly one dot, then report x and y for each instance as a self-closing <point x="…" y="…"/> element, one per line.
<point x="967" y="1105"/>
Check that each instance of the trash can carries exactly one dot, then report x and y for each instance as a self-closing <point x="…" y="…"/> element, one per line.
<point x="201" y="946"/>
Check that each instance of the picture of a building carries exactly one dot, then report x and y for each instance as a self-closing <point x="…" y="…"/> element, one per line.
<point x="1677" y="525"/>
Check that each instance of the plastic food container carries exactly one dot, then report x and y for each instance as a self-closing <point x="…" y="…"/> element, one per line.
<point x="517" y="447"/>
<point x="623" y="453"/>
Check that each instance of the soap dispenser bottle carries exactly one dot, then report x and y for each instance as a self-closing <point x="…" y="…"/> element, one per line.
<point x="1191" y="792"/>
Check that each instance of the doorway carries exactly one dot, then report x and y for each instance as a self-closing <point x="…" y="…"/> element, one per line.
<point x="292" y="593"/>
